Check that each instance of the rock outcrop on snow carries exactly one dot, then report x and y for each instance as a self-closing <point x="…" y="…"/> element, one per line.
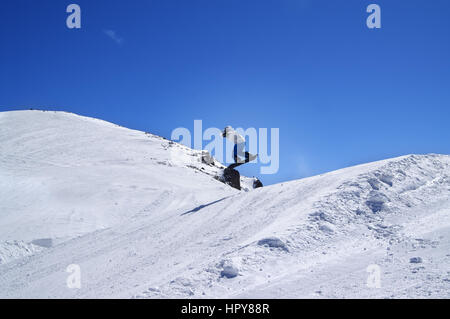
<point x="232" y="177"/>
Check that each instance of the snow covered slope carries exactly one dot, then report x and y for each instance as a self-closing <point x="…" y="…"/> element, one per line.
<point x="142" y="223"/>
<point x="63" y="175"/>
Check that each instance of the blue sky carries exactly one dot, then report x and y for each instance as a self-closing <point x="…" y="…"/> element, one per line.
<point x="340" y="93"/>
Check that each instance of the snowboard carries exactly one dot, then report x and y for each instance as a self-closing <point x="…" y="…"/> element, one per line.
<point x="252" y="157"/>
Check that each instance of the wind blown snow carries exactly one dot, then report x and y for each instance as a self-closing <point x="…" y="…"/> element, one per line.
<point x="144" y="217"/>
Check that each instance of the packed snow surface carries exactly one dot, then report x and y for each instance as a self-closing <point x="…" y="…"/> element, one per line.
<point x="143" y="217"/>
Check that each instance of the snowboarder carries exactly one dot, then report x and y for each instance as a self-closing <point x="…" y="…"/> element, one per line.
<point x="239" y="147"/>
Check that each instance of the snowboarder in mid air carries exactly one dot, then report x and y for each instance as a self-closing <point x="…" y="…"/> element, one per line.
<point x="239" y="147"/>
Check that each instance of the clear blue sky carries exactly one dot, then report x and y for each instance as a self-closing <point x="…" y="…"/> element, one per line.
<point x="340" y="93"/>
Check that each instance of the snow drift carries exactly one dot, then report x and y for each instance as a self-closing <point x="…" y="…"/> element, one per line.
<point x="145" y="218"/>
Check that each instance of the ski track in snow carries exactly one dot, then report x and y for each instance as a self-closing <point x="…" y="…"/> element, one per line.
<point x="145" y="218"/>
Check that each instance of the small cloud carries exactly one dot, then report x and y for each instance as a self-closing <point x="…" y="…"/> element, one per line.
<point x="113" y="36"/>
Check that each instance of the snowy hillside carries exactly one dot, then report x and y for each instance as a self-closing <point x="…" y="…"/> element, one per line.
<point x="144" y="218"/>
<point x="63" y="175"/>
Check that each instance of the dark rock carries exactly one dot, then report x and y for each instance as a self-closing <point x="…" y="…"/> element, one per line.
<point x="232" y="178"/>
<point x="207" y="158"/>
<point x="257" y="183"/>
